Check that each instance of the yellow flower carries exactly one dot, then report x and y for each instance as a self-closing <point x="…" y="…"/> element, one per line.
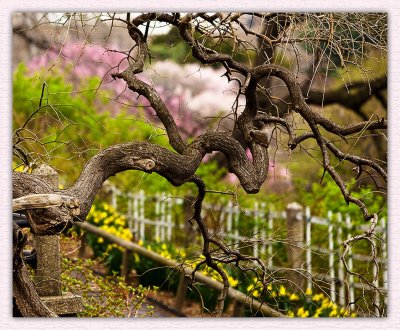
<point x="20" y="168"/>
<point x="308" y="292"/>
<point x="327" y="303"/>
<point x="302" y="313"/>
<point x="333" y="313"/>
<point x="353" y="315"/>
<point x="232" y="282"/>
<point x="344" y="312"/>
<point x="250" y="287"/>
<point x="273" y="294"/>
<point x="290" y="314"/>
<point x="317" y="297"/>
<point x="182" y="253"/>
<point x="256" y="293"/>
<point x="100" y="240"/>
<point x="282" y="290"/>
<point x="164" y="246"/>
<point x="294" y="297"/>
<point x="269" y="287"/>
<point x="140" y="242"/>
<point x="318" y="311"/>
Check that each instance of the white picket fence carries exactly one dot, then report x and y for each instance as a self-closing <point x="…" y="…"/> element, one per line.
<point x="162" y="227"/>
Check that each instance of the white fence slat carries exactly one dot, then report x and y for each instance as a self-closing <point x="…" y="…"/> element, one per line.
<point x="162" y="218"/>
<point x="384" y="252"/>
<point x="236" y="212"/>
<point x="229" y="218"/>
<point x="350" y="264"/>
<point x="340" y="264"/>
<point x="255" y="230"/>
<point x="263" y="229"/>
<point x="270" y="262"/>
<point x="136" y="214"/>
<point x="129" y="216"/>
<point x="375" y="282"/>
<point x="141" y="215"/>
<point x="157" y="217"/>
<point x="308" y="252"/>
<point x="331" y="258"/>
<point x="169" y="219"/>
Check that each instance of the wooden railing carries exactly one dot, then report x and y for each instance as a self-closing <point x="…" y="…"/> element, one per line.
<point x="186" y="271"/>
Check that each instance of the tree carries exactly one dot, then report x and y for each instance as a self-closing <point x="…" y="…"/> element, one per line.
<point x="282" y="50"/>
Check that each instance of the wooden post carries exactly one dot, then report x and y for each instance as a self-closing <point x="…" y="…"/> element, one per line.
<point x="48" y="248"/>
<point x="125" y="265"/>
<point x="237" y="309"/>
<point x="295" y="244"/>
<point x="48" y="271"/>
<point x="83" y="246"/>
<point x="180" y="296"/>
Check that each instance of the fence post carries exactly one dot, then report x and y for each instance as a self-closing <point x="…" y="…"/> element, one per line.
<point x="295" y="242"/>
<point x="48" y="269"/>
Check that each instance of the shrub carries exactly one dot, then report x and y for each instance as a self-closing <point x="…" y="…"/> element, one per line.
<point x="108" y="219"/>
<point x="103" y="296"/>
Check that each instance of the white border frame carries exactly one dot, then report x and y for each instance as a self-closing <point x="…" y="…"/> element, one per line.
<point x="7" y="7"/>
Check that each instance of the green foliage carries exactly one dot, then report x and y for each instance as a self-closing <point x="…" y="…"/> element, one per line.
<point x="326" y="196"/>
<point x="103" y="296"/>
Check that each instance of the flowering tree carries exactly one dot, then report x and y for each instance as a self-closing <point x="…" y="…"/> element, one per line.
<point x="295" y="47"/>
<point x="190" y="97"/>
